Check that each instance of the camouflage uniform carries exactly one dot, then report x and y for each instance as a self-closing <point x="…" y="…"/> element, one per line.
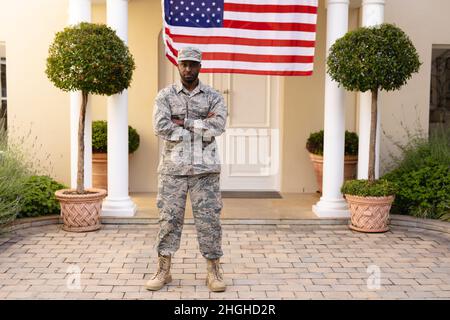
<point x="189" y="163"/>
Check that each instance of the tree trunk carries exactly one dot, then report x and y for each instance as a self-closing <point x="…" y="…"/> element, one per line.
<point x="373" y="135"/>
<point x="81" y="124"/>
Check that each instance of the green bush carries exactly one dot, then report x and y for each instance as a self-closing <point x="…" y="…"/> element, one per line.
<point x="100" y="137"/>
<point x="38" y="197"/>
<point x="13" y="173"/>
<point x="422" y="177"/>
<point x="314" y="144"/>
<point x="12" y="178"/>
<point x="366" y="188"/>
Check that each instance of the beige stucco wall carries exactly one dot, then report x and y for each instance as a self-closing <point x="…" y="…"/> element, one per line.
<point x="426" y="23"/>
<point x="27" y="28"/>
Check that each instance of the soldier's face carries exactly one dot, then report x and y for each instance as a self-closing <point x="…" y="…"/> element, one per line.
<point x="189" y="70"/>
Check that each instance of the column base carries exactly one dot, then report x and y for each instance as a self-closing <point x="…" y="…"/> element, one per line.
<point x="118" y="207"/>
<point x="331" y="208"/>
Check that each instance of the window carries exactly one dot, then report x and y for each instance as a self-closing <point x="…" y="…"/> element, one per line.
<point x="440" y="87"/>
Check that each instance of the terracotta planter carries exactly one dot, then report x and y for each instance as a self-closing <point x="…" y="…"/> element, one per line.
<point x="100" y="170"/>
<point x="81" y="212"/>
<point x="369" y="214"/>
<point x="350" y="166"/>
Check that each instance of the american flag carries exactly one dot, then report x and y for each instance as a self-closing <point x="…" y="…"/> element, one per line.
<point x="266" y="37"/>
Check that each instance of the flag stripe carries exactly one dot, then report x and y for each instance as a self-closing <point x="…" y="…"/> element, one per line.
<point x="262" y="66"/>
<point x="226" y="64"/>
<point x="238" y="41"/>
<point x="270" y="8"/>
<point x="207" y="68"/>
<point x="263" y="34"/>
<point x="271" y="17"/>
<point x="275" y="2"/>
<point x="265" y="50"/>
<point x="278" y="26"/>
<point x="257" y="57"/>
<point x="218" y="55"/>
<point x="258" y="72"/>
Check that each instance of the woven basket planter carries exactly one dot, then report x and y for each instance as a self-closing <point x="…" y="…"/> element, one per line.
<point x="369" y="214"/>
<point x="81" y="212"/>
<point x="350" y="164"/>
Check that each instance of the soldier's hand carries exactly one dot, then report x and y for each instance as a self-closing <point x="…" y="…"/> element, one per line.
<point x="210" y="114"/>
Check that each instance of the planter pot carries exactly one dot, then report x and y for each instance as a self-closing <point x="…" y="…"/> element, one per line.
<point x="369" y="214"/>
<point x="350" y="166"/>
<point x="100" y="170"/>
<point x="81" y="212"/>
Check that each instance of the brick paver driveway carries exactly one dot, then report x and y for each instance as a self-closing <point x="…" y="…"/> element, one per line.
<point x="260" y="262"/>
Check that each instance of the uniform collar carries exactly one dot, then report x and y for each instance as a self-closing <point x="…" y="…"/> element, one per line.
<point x="199" y="88"/>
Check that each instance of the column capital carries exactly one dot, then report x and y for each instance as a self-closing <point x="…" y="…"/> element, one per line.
<point x="379" y="2"/>
<point x="338" y="2"/>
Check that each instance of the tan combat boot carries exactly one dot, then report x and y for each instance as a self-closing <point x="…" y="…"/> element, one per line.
<point x="162" y="275"/>
<point x="214" y="279"/>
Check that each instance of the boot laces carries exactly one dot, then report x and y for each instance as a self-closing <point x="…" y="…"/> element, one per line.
<point x="216" y="270"/>
<point x="163" y="267"/>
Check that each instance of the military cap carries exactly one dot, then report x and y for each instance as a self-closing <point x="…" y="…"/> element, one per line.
<point x="189" y="53"/>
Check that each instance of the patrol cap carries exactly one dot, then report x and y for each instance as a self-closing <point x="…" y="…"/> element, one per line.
<point x="189" y="53"/>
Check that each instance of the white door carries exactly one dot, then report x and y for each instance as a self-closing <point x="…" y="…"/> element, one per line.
<point x="250" y="147"/>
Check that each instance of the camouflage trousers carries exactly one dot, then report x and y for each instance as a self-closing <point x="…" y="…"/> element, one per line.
<point x="204" y="192"/>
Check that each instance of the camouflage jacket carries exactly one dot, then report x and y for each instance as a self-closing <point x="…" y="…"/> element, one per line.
<point x="191" y="149"/>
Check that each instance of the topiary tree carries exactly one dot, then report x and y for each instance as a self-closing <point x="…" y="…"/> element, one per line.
<point x="375" y="58"/>
<point x="90" y="58"/>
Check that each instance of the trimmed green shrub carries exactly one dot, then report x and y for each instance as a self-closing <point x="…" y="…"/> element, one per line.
<point x="366" y="188"/>
<point x="38" y="197"/>
<point x="91" y="58"/>
<point x="100" y="137"/>
<point x="314" y="144"/>
<point x="424" y="192"/>
<point x="422" y="177"/>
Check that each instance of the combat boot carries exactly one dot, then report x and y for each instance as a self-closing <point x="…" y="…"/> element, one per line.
<point x="162" y="276"/>
<point x="214" y="279"/>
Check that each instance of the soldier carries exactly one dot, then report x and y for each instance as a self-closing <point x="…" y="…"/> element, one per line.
<point x="187" y="116"/>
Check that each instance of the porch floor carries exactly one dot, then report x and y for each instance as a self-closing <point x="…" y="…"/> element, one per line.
<point x="291" y="206"/>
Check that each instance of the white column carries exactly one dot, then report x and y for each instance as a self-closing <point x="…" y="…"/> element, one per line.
<point x="118" y="203"/>
<point x="332" y="204"/>
<point x="80" y="11"/>
<point x="372" y="14"/>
